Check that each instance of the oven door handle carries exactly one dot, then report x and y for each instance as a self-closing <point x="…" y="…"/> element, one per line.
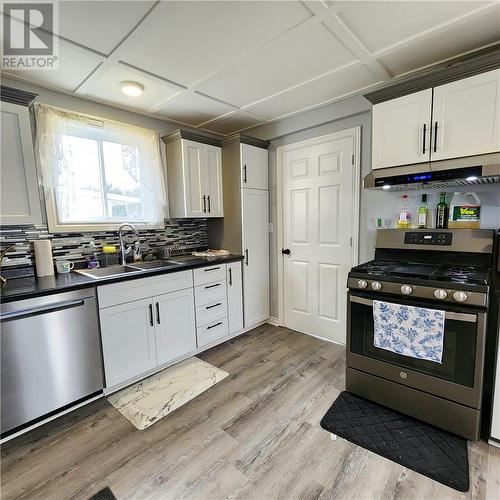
<point x="469" y="318"/>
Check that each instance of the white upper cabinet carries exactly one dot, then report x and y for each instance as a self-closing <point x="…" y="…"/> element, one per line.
<point x="254" y="167"/>
<point x="466" y="117"/>
<point x="194" y="178"/>
<point x="20" y="199"/>
<point x="401" y="130"/>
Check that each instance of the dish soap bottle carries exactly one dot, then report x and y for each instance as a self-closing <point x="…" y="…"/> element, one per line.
<point x="404" y="220"/>
<point x="422" y="213"/>
<point x="442" y="212"/>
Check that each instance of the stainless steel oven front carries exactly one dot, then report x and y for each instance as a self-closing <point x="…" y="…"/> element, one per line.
<point x="458" y="378"/>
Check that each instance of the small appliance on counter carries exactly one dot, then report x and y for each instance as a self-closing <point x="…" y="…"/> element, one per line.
<point x="442" y="276"/>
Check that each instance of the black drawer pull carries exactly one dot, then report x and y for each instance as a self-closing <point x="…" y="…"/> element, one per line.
<point x="215" y="305"/>
<point x="213" y="286"/>
<point x="230" y="277"/>
<point x="213" y="326"/>
<point x="211" y="269"/>
<point x="151" y="314"/>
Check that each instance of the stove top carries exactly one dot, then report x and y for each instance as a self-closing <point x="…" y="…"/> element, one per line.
<point x="466" y="275"/>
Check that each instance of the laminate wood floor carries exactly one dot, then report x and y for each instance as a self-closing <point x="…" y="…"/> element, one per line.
<point x="255" y="435"/>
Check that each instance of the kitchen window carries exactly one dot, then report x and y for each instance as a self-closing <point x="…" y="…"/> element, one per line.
<point x="98" y="173"/>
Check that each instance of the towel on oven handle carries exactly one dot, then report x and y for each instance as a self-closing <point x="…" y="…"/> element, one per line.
<point x="417" y="332"/>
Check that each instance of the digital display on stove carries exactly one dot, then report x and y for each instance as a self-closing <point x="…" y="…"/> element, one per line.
<point x="422" y="238"/>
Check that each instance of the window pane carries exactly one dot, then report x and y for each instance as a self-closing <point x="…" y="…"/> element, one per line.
<point x="123" y="181"/>
<point x="78" y="180"/>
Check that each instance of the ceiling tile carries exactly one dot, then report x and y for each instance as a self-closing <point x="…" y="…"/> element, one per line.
<point x="108" y="89"/>
<point x="317" y="92"/>
<point x="100" y="25"/>
<point x="193" y="109"/>
<point x="232" y="124"/>
<point x="193" y="38"/>
<point x="379" y="24"/>
<point x="469" y="35"/>
<point x="74" y="66"/>
<point x="299" y="55"/>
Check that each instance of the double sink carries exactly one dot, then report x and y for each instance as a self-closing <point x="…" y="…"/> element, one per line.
<point x="135" y="268"/>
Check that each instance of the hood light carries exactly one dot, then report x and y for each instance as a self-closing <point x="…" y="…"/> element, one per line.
<point x="471" y="178"/>
<point x="133" y="89"/>
<point x="386" y="186"/>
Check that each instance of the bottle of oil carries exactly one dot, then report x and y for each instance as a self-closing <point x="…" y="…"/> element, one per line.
<point x="404" y="219"/>
<point x="422" y="213"/>
<point x="442" y="212"/>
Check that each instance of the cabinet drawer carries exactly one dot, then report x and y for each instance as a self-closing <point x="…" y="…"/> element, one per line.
<point x="212" y="332"/>
<point x="209" y="293"/>
<point x="211" y="313"/>
<point x="208" y="274"/>
<point x="127" y="291"/>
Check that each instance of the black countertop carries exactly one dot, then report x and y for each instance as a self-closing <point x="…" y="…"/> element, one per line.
<point x="27" y="288"/>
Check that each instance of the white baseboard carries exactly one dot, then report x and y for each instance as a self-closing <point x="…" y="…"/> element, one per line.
<point x="273" y="321"/>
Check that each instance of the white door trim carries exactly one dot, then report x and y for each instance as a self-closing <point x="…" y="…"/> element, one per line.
<point x="355" y="133"/>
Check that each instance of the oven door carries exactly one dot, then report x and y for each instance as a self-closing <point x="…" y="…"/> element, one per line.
<point x="458" y="377"/>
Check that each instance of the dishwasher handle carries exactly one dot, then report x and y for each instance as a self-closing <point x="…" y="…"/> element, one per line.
<point x="32" y="311"/>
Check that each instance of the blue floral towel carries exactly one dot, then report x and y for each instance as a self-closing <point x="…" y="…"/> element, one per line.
<point x="411" y="331"/>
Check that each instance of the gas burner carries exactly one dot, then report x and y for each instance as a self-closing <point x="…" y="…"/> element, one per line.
<point x="463" y="274"/>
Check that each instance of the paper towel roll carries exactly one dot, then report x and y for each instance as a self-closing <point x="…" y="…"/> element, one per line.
<point x="43" y="258"/>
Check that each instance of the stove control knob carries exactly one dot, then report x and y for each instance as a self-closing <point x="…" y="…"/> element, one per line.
<point x="460" y="296"/>
<point x="376" y="285"/>
<point x="362" y="284"/>
<point x="440" y="294"/>
<point x="406" y="290"/>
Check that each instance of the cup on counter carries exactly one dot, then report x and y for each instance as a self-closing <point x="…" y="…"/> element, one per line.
<point x="64" y="266"/>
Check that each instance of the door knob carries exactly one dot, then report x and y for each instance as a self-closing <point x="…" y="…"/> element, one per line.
<point x="286" y="251"/>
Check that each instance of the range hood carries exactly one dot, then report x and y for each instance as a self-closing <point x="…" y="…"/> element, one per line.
<point x="470" y="170"/>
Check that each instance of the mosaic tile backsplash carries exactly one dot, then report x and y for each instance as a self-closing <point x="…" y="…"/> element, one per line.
<point x="179" y="235"/>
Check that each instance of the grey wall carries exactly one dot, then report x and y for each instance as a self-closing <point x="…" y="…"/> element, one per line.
<point x="352" y="112"/>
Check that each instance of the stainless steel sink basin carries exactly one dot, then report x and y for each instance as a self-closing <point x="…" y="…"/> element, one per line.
<point x="155" y="264"/>
<point x="108" y="272"/>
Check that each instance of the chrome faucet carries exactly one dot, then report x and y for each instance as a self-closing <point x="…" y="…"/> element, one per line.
<point x="120" y="235"/>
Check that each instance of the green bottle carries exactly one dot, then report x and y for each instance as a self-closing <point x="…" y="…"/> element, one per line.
<point x="442" y="212"/>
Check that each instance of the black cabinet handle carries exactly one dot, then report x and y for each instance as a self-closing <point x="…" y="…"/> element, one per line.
<point x="230" y="277"/>
<point x="246" y="257"/>
<point x="151" y="314"/>
<point x="204" y="204"/>
<point x="212" y="286"/>
<point x="208" y="197"/>
<point x="214" y="305"/>
<point x="158" y="313"/>
<point x="211" y="269"/>
<point x="245" y="174"/>
<point x="435" y="136"/>
<point x="423" y="142"/>
<point x="213" y="326"/>
<point x="286" y="251"/>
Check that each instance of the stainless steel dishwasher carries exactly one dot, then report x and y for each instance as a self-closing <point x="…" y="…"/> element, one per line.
<point x="51" y="356"/>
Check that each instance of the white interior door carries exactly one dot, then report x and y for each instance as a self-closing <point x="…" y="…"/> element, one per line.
<point x="320" y="213"/>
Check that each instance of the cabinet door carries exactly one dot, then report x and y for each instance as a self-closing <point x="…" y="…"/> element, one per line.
<point x="398" y="136"/>
<point x="20" y="200"/>
<point x="234" y="297"/>
<point x="467" y="116"/>
<point x="254" y="167"/>
<point x="128" y="340"/>
<point x="255" y="214"/>
<point x="175" y="328"/>
<point x="193" y="164"/>
<point x="213" y="181"/>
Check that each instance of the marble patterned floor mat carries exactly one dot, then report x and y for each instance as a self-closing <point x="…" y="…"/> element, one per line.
<point x="151" y="399"/>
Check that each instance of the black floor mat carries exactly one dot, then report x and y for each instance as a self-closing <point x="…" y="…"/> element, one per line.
<point x="409" y="442"/>
<point x="105" y="494"/>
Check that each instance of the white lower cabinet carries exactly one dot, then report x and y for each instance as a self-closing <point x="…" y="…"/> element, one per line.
<point x="234" y="297"/>
<point x="128" y="340"/>
<point x="175" y="330"/>
<point x="207" y="334"/>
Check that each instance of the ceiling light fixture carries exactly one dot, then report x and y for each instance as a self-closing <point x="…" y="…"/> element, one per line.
<point x="133" y="89"/>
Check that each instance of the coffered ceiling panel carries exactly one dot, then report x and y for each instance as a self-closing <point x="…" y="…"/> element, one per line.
<point x="193" y="109"/>
<point x="381" y="24"/>
<point x="109" y="89"/>
<point x="233" y="123"/>
<point x="99" y="24"/>
<point x="320" y="91"/>
<point x="303" y="53"/>
<point x="193" y="39"/>
<point x="481" y="30"/>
